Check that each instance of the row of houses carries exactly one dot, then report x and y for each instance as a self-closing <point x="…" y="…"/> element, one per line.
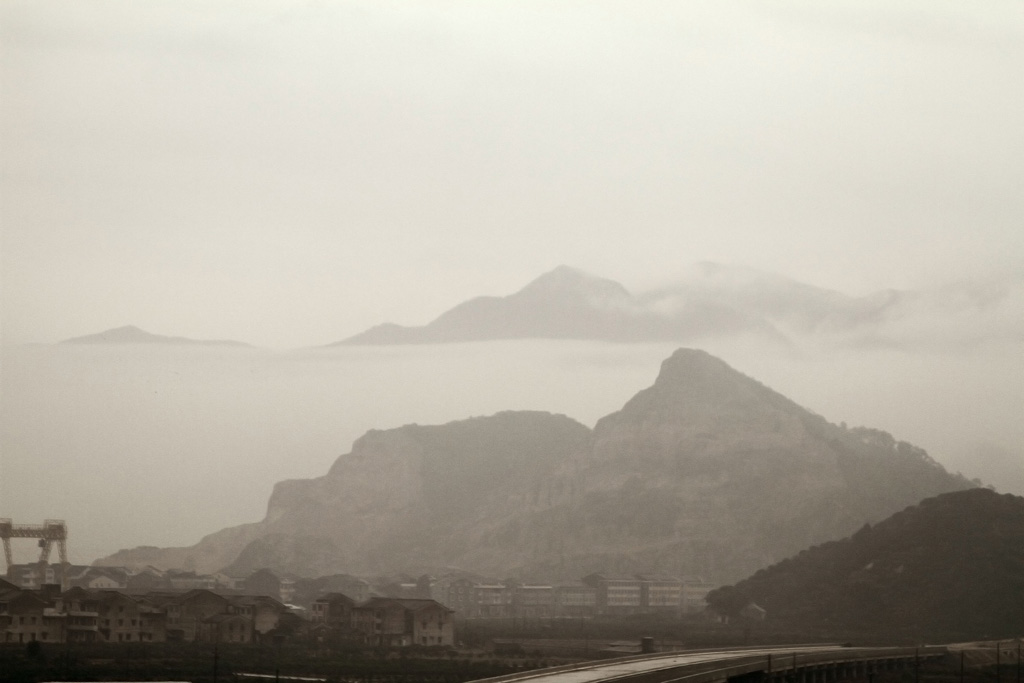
<point x="49" y="614"/>
<point x="469" y="596"/>
<point x="383" y="621"/>
<point x="140" y="580"/>
<point x="82" y="615"/>
<point x="595" y="594"/>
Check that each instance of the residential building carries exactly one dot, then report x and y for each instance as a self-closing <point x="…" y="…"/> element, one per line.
<point x="533" y="601"/>
<point x="25" y="616"/>
<point x="333" y="610"/>
<point x="401" y="622"/>
<point x="190" y="581"/>
<point x="122" y="618"/>
<point x="460" y="595"/>
<point x="100" y="578"/>
<point x="82" y="609"/>
<point x="185" y="612"/>
<point x="265" y="612"/>
<point x="694" y="595"/>
<point x="492" y="600"/>
<point x="35" y="575"/>
<point x="226" y="628"/>
<point x="229" y="581"/>
<point x="576" y="600"/>
<point x="616" y="594"/>
<point x="660" y="593"/>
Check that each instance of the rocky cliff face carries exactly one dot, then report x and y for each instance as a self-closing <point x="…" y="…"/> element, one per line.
<point x="706" y="472"/>
<point x="709" y="472"/>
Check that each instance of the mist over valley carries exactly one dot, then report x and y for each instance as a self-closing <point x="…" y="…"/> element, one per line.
<point x="334" y="327"/>
<point x="162" y="443"/>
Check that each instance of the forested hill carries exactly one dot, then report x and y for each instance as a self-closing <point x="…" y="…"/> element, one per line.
<point x="950" y="567"/>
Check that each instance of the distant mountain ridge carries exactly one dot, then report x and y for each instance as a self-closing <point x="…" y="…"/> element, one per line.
<point x="129" y="334"/>
<point x="707" y="472"/>
<point x="713" y="301"/>
<point x="567" y="303"/>
<point x="707" y="301"/>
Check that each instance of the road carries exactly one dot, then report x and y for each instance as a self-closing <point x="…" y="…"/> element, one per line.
<point x="719" y="665"/>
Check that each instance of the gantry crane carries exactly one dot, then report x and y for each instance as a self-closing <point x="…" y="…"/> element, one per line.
<point x="49" y="532"/>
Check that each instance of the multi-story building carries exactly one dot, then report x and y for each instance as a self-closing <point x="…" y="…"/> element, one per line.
<point x="533" y="601"/>
<point x="616" y="594"/>
<point x="492" y="600"/>
<point x="334" y="610"/>
<point x="83" y="615"/>
<point x="575" y="600"/>
<point x="35" y="575"/>
<point x="660" y="593"/>
<point x="226" y="628"/>
<point x="694" y="594"/>
<point x="186" y="611"/>
<point x="352" y="586"/>
<point x="190" y="581"/>
<point x="401" y="622"/>
<point x="460" y="595"/>
<point x="25" y="616"/>
<point x="264" y="611"/>
<point x="100" y="578"/>
<point x="190" y="616"/>
<point x="82" y="609"/>
<point x="125" y="619"/>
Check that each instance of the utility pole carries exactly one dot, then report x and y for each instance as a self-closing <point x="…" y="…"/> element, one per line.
<point x="1018" y="660"/>
<point x="67" y="657"/>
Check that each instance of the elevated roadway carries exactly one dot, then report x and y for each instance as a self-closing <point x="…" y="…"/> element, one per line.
<point x="803" y="664"/>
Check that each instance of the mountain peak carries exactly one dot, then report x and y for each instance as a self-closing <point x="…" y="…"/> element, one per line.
<point x="689" y="364"/>
<point x="568" y="280"/>
<point x="694" y="377"/>
<point x="130" y="334"/>
<point x="126" y="334"/>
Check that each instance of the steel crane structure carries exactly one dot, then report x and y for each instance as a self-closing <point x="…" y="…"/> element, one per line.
<point x="49" y="532"/>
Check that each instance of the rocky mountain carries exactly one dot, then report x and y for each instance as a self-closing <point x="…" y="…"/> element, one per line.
<point x="951" y="567"/>
<point x="706" y="472"/>
<point x="129" y="334"/>
<point x="710" y="300"/>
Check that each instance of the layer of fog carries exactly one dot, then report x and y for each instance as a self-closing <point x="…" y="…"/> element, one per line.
<point x="162" y="445"/>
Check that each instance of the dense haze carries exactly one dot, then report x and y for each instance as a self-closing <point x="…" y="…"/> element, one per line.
<point x="159" y="446"/>
<point x="289" y="174"/>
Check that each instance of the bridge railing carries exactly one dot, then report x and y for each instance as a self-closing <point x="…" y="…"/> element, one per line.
<point x="732" y="663"/>
<point x="707" y="672"/>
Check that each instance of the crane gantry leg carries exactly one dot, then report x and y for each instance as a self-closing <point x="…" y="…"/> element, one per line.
<point x="49" y="532"/>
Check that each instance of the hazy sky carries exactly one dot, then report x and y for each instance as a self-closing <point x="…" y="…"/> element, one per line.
<point x="290" y="173"/>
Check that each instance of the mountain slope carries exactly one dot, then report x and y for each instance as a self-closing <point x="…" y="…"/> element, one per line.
<point x="949" y="567"/>
<point x="709" y="472"/>
<point x="706" y="472"/>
